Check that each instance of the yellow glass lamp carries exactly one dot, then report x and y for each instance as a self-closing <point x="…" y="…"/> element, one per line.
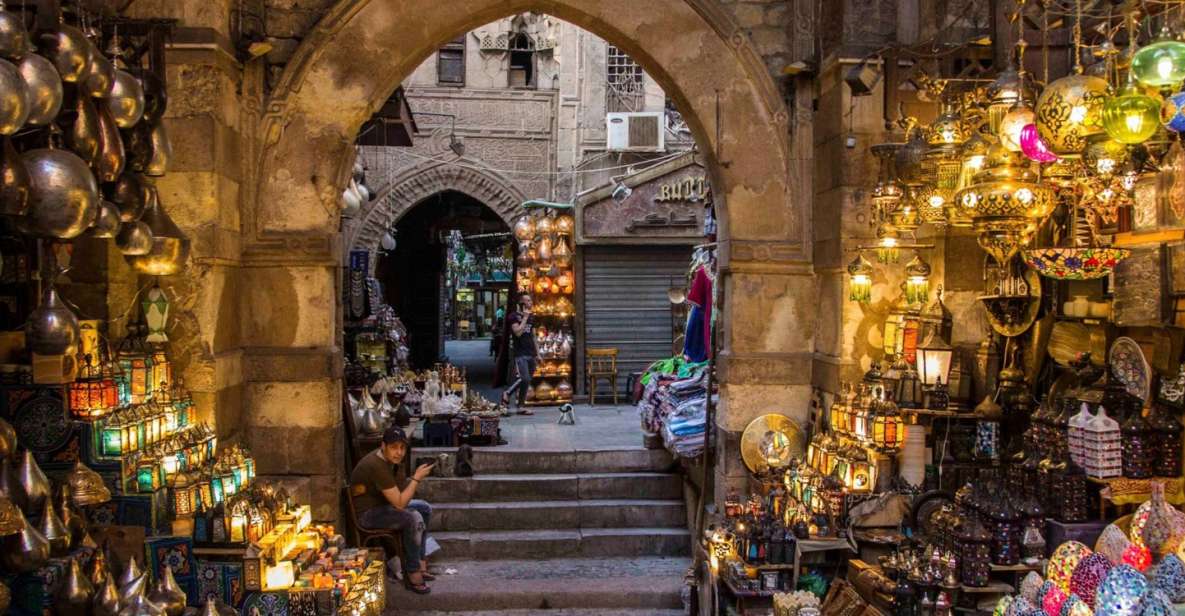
<point x="888" y="429"/>
<point x="887" y="243"/>
<point x="1013" y="123"/>
<point x="1069" y="110"/>
<point x="1160" y="64"/>
<point x="860" y="279"/>
<point x="1131" y="117"/>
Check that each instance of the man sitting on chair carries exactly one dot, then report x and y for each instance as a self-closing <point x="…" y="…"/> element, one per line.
<point x="383" y="499"/>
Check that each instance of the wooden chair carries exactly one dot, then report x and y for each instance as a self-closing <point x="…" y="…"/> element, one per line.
<point x="386" y="538"/>
<point x="600" y="364"/>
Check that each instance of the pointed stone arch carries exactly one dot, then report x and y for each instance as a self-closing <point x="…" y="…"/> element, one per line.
<point x="414" y="185"/>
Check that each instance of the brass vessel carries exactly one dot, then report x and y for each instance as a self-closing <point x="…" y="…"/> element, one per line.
<point x="83" y="136"/>
<point x="86" y="486"/>
<point x="128" y="194"/>
<point x="5" y="598"/>
<point x="44" y="88"/>
<point x="167" y="593"/>
<point x="162" y="151"/>
<point x="64" y="194"/>
<point x="106" y="599"/>
<point x="33" y="482"/>
<point x="100" y="77"/>
<point x="97" y="570"/>
<point x="107" y="222"/>
<point x="111" y="157"/>
<point x="14" y="181"/>
<point x="134" y="238"/>
<point x="14" y="98"/>
<point x="54" y="530"/>
<point x="139" y="605"/>
<point x="10" y="483"/>
<point x="130" y="574"/>
<point x="170" y="247"/>
<point x="156" y="97"/>
<point x="14" y="44"/>
<point x="126" y="99"/>
<point x="7" y="439"/>
<point x="24" y="551"/>
<point x="71" y="52"/>
<point x="75" y="594"/>
<point x="52" y="329"/>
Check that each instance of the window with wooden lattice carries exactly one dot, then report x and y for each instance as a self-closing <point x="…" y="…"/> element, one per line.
<point x="450" y="63"/>
<point x="625" y="81"/>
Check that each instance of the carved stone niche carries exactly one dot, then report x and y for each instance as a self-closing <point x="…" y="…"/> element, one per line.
<point x="1140" y="288"/>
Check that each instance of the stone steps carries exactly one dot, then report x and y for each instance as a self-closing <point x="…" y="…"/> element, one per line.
<point x="563" y="543"/>
<point x="502" y="460"/>
<point x="552" y="487"/>
<point x="533" y="515"/>
<point x="557" y="587"/>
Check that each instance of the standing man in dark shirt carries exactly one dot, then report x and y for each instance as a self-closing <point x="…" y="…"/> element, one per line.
<point x="383" y="499"/>
<point x="525" y="353"/>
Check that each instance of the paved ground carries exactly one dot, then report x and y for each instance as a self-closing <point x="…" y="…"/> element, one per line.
<point x="474" y="356"/>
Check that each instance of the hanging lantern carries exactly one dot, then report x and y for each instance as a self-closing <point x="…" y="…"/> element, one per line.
<point x="887" y="194"/>
<point x="860" y="282"/>
<point x="1131" y="116"/>
<point x="156" y="314"/>
<point x="1070" y="110"/>
<point x="85" y="394"/>
<point x="185" y="496"/>
<point x="886" y="244"/>
<point x="888" y="429"/>
<point x="934" y="357"/>
<point x="1013" y="124"/>
<point x="930" y="202"/>
<point x="917" y="280"/>
<point x="1006" y="202"/>
<point x="1009" y="89"/>
<point x="162" y="372"/>
<point x="907" y="218"/>
<point x="1160" y="64"/>
<point x="1034" y="147"/>
<point x="1172" y="112"/>
<point x="1104" y="156"/>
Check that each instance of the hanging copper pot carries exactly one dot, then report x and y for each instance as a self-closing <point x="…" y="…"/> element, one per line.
<point x="25" y="550"/>
<point x="544" y="252"/>
<point x="561" y="253"/>
<point x="53" y="529"/>
<point x="170" y="247"/>
<point x="107" y="222"/>
<point x="63" y="195"/>
<point x="7" y="439"/>
<point x="156" y="97"/>
<point x="544" y="225"/>
<point x="106" y="600"/>
<point x="84" y="135"/>
<point x="524" y="228"/>
<point x="126" y="99"/>
<point x="44" y="88"/>
<point x="167" y="593"/>
<point x="75" y="594"/>
<point x="70" y="52"/>
<point x="129" y="576"/>
<point x="52" y="329"/>
<point x="100" y="77"/>
<point x="565" y="224"/>
<point x="14" y="98"/>
<point x="14" y="41"/>
<point x="14" y="181"/>
<point x="10" y="484"/>
<point x="134" y="239"/>
<point x="162" y="153"/>
<point x="129" y="194"/>
<point x="111" y="158"/>
<point x="33" y="482"/>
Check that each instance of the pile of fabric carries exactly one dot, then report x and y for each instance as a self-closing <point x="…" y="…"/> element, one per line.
<point x="675" y="404"/>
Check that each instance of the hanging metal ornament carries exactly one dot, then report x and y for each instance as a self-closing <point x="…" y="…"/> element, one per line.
<point x="14" y="38"/>
<point x="63" y="194"/>
<point x="107" y="222"/>
<point x="24" y="551"/>
<point x="106" y="600"/>
<point x="111" y="157"/>
<point x="83" y="134"/>
<point x="168" y="593"/>
<point x="7" y="439"/>
<point x="44" y="88"/>
<point x="170" y="247"/>
<point x="14" y="181"/>
<point x="162" y="155"/>
<point x="74" y="596"/>
<point x="134" y="239"/>
<point x="70" y="51"/>
<point x="14" y="98"/>
<point x="156" y="98"/>
<point x="101" y="76"/>
<point x="128" y="194"/>
<point x="52" y="328"/>
<point x="33" y="482"/>
<point x="126" y="99"/>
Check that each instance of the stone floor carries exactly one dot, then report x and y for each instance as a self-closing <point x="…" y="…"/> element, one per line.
<point x="474" y="356"/>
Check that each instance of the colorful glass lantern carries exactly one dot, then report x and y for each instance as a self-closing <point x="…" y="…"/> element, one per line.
<point x="111" y="438"/>
<point x="1069" y="110"/>
<point x="917" y="280"/>
<point x="1087" y="576"/>
<point x="1131" y="116"/>
<point x="934" y="357"/>
<point x="1172" y="112"/>
<point x="238" y="521"/>
<point x="1119" y="593"/>
<point x="1034" y="147"/>
<point x="974" y="545"/>
<point x="216" y="489"/>
<point x="1137" y="447"/>
<point x="1103" y="156"/>
<point x="147" y="475"/>
<point x="860" y="279"/>
<point x="887" y="244"/>
<point x="85" y="395"/>
<point x="1053" y="600"/>
<point x="1160" y="64"/>
<point x="227" y="479"/>
<point x="185" y="497"/>
<point x="1062" y="563"/>
<point x="162" y="372"/>
<point x="888" y="429"/>
<point x="839" y="419"/>
<point x="156" y="314"/>
<point x="1013" y="123"/>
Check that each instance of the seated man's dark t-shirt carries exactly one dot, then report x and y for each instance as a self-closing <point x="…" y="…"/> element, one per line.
<point x="523" y="344"/>
<point x="376" y="474"/>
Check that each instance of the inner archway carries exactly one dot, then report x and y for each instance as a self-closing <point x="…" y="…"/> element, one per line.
<point x="362" y="49"/>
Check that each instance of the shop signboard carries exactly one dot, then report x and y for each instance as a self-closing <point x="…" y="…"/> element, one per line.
<point x="664" y="203"/>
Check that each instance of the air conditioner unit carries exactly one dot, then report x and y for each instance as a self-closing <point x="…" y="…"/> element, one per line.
<point x="636" y="132"/>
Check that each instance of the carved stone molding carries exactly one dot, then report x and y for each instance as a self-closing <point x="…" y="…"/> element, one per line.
<point x="423" y="181"/>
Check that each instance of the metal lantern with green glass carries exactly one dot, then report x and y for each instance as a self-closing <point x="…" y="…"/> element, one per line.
<point x="111" y="444"/>
<point x="156" y="314"/>
<point x="934" y="357"/>
<point x="917" y="280"/>
<point x="1131" y="117"/>
<point x="1160" y="64"/>
<point x="860" y="279"/>
<point x="887" y="243"/>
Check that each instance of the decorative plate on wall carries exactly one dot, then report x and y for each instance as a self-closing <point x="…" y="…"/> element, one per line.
<point x="1127" y="362"/>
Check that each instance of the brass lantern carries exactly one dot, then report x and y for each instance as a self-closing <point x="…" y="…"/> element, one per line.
<point x="860" y="279"/>
<point x="1009" y="88"/>
<point x="185" y="496"/>
<point x="887" y="194"/>
<point x="888" y="429"/>
<point x="136" y="363"/>
<point x="1103" y="156"/>
<point x="1069" y="110"/>
<point x="887" y="243"/>
<point x="85" y="395"/>
<point x="1006" y="201"/>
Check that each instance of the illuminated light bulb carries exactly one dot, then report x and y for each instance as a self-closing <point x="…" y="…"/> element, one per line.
<point x="1024" y="195"/>
<point x="1078" y="114"/>
<point x="936" y="200"/>
<point x="975" y="162"/>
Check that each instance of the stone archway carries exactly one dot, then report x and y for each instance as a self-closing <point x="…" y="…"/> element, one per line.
<point x="351" y="62"/>
<point x="417" y="183"/>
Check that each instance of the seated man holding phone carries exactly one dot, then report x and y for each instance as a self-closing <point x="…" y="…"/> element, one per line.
<point x="383" y="498"/>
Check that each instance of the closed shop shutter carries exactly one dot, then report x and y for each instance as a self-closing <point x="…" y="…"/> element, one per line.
<point x="626" y="305"/>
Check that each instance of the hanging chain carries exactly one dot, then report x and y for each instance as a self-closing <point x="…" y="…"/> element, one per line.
<point x="1078" y="38"/>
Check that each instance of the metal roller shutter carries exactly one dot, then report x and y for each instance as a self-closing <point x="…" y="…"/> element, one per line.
<point x="626" y="305"/>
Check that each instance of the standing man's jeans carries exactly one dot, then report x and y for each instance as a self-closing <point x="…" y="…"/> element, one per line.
<point x="412" y="524"/>
<point x="524" y="367"/>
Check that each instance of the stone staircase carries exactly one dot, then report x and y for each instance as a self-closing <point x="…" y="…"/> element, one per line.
<point x="558" y="533"/>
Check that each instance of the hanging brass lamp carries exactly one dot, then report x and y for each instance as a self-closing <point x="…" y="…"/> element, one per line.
<point x="1006" y="202"/>
<point x="170" y="246"/>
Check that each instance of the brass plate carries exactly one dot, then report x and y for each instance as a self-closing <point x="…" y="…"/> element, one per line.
<point x="755" y="432"/>
<point x="1069" y="338"/>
